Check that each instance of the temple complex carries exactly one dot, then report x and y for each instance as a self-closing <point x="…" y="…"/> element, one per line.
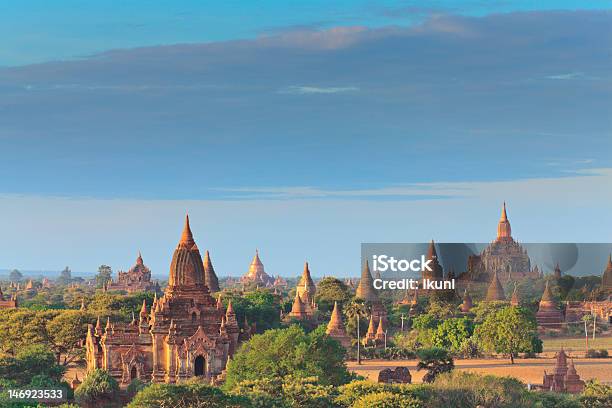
<point x="495" y="292"/>
<point x="185" y="334"/>
<point x="548" y="315"/>
<point x="136" y="279"/>
<point x="336" y="329"/>
<point x="563" y="378"/>
<point x="10" y="303"/>
<point x="504" y="256"/>
<point x="257" y="274"/>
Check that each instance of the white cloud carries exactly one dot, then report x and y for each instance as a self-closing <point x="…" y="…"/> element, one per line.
<point x="306" y="90"/>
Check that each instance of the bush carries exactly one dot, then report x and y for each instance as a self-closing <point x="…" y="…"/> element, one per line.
<point x="596" y="395"/>
<point x="386" y="400"/>
<point x="287" y="392"/>
<point x="603" y="353"/>
<point x="99" y="389"/>
<point x="188" y="394"/>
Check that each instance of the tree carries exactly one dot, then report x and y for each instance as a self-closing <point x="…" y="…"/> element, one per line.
<point x="278" y="353"/>
<point x="354" y="311"/>
<point x="565" y="283"/>
<point x="189" y="394"/>
<point x="33" y="362"/>
<point x="330" y="290"/>
<point x="386" y="399"/>
<point x="510" y="330"/>
<point x="289" y="391"/>
<point x="99" y="388"/>
<point x="436" y="361"/>
<point x="104" y="275"/>
<point x="452" y="334"/>
<point x="15" y="275"/>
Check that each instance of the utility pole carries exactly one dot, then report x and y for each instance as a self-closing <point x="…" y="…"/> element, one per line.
<point x="385" y="340"/>
<point x="586" y="337"/>
<point x="402" y="317"/>
<point x="594" y="320"/>
<point x="359" y="343"/>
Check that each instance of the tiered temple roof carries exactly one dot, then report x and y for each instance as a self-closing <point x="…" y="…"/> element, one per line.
<point x="548" y="315"/>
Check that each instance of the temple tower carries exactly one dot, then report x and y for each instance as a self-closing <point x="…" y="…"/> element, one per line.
<point x="335" y="327"/>
<point x="548" y="315"/>
<point x="436" y="273"/>
<point x="504" y="231"/>
<point x="365" y="289"/>
<point x="495" y="292"/>
<point x="210" y="277"/>
<point x="515" y="301"/>
<point x="306" y="287"/>
<point x="606" y="278"/>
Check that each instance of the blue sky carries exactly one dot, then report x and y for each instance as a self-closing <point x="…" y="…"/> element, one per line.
<point x="303" y="129"/>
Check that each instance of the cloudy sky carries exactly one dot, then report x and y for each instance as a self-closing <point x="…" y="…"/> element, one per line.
<point x="301" y="130"/>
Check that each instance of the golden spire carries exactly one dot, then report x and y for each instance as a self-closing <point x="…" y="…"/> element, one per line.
<point x="547" y="295"/>
<point x="336" y="319"/>
<point x="495" y="292"/>
<point x="371" y="329"/>
<point x="504" y="231"/>
<point x="143" y="309"/>
<point x="380" y="330"/>
<point x="139" y="260"/>
<point x="431" y="251"/>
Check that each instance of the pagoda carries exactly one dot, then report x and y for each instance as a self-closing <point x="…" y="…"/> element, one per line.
<point x="370" y="336"/>
<point x="563" y="378"/>
<point x="298" y="309"/>
<point x="548" y="315"/>
<point x="136" y="279"/>
<point x="606" y="277"/>
<point x="335" y="328"/>
<point x="256" y="273"/>
<point x="210" y="277"/>
<point x="306" y="287"/>
<point x="515" y="301"/>
<point x="436" y="273"/>
<point x="10" y="303"/>
<point x="467" y="304"/>
<point x="365" y="289"/>
<point x="495" y="292"/>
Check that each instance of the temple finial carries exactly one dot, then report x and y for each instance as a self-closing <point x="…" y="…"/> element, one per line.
<point x="187" y="236"/>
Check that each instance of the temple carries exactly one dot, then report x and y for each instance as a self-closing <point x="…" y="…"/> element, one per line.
<point x="335" y="328"/>
<point x="563" y="378"/>
<point x="495" y="292"/>
<point x="136" y="279"/>
<point x="185" y="334"/>
<point x="365" y="290"/>
<point x="306" y="287"/>
<point x="10" y="303"/>
<point x="606" y="277"/>
<point x="210" y="277"/>
<point x="256" y="273"/>
<point x="504" y="256"/>
<point x="436" y="273"/>
<point x="548" y="315"/>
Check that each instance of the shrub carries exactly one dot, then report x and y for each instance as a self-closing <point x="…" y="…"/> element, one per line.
<point x="603" y="353"/>
<point x="386" y="400"/>
<point x="596" y="395"/>
<point x="188" y="394"/>
<point x="98" y="389"/>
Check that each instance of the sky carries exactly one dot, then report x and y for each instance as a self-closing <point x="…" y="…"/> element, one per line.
<point x="299" y="128"/>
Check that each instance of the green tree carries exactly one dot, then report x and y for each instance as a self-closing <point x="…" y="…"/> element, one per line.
<point x="189" y="394"/>
<point x="355" y="311"/>
<point x="258" y="306"/>
<point x="15" y="275"/>
<point x="105" y="274"/>
<point x="287" y="392"/>
<point x="387" y="399"/>
<point x="566" y="283"/>
<point x="330" y="290"/>
<point x="436" y="361"/>
<point x="510" y="331"/>
<point x="452" y="334"/>
<point x="99" y="389"/>
<point x="596" y="395"/>
<point x="32" y="362"/>
<point x="278" y="353"/>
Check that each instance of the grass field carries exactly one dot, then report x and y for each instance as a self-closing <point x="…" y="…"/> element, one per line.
<point x="576" y="343"/>
<point x="527" y="370"/>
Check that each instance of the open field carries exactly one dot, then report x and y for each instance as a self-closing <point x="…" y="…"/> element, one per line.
<point x="527" y="370"/>
<point x="576" y="343"/>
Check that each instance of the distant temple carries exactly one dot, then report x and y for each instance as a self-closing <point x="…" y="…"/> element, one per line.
<point x="187" y="333"/>
<point x="563" y="378"/>
<point x="436" y="273"/>
<point x="257" y="274"/>
<point x="10" y="303"/>
<point x="306" y="287"/>
<point x="504" y="256"/>
<point x="366" y="292"/>
<point x="548" y="315"/>
<point x="136" y="279"/>
<point x="336" y="329"/>
<point x="606" y="277"/>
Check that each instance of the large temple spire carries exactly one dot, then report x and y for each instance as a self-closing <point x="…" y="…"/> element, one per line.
<point x="187" y="236"/>
<point x="504" y="231"/>
<point x="366" y="290"/>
